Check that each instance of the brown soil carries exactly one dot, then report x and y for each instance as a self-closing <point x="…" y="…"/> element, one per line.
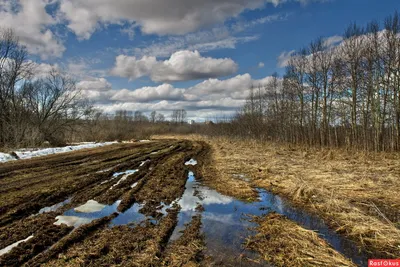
<point x="26" y="186"/>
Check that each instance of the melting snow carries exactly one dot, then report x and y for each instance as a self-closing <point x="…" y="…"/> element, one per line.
<point x="90" y="206"/>
<point x="144" y="162"/>
<point x="10" y="247"/>
<point x="32" y="153"/>
<point x="191" y="162"/>
<point x="125" y="174"/>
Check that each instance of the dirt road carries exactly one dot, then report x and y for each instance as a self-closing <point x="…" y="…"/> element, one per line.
<point x="157" y="203"/>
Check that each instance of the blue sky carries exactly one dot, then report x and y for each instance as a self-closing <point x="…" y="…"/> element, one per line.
<point x="161" y="55"/>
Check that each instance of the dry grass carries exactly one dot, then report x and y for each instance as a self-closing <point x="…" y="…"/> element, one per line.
<point x="355" y="192"/>
<point x="188" y="249"/>
<point x="284" y="243"/>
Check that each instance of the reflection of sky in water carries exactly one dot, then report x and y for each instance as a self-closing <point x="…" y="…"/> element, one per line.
<point x="55" y="206"/>
<point x="223" y="220"/>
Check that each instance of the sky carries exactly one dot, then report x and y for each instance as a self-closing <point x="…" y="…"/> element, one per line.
<point x="201" y="56"/>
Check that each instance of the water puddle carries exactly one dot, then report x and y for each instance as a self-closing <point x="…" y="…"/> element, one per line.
<point x="225" y="227"/>
<point x="192" y="162"/>
<point x="55" y="207"/>
<point x="10" y="247"/>
<point x="93" y="210"/>
<point x="90" y="206"/>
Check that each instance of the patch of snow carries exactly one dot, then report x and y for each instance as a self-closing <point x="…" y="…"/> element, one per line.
<point x="74" y="221"/>
<point x="4" y="157"/>
<point x="153" y="153"/>
<point x="125" y="174"/>
<point x="144" y="162"/>
<point x="10" y="247"/>
<point x="90" y="206"/>
<point x="134" y="185"/>
<point x="141" y="141"/>
<point x="191" y="162"/>
<point x="32" y="153"/>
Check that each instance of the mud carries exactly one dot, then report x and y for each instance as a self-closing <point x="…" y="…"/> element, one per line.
<point x="135" y="204"/>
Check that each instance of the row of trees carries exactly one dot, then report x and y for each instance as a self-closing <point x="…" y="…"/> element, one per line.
<point x="335" y="95"/>
<point x="48" y="107"/>
<point x="34" y="108"/>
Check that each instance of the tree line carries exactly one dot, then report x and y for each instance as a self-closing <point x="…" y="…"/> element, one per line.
<point x="38" y="108"/>
<point x="343" y="95"/>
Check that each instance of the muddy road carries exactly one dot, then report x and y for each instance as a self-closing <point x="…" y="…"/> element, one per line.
<point x="143" y="204"/>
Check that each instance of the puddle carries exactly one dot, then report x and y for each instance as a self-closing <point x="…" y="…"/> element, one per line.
<point x="225" y="227"/>
<point x="10" y="247"/>
<point x="90" y="211"/>
<point x="132" y="215"/>
<point x="125" y="174"/>
<point x="90" y="206"/>
<point x="55" y="206"/>
<point x="75" y="218"/>
<point x="191" y="162"/>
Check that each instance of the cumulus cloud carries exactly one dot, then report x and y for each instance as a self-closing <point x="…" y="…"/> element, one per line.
<point x="181" y="66"/>
<point x="210" y="98"/>
<point x="147" y="94"/>
<point x="284" y="57"/>
<point x="30" y="21"/>
<point x="153" y="16"/>
<point x="97" y="84"/>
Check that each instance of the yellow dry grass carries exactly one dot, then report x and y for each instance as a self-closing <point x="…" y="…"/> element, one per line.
<point x="284" y="243"/>
<point x="355" y="192"/>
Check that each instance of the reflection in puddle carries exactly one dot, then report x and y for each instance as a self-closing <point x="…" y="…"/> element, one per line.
<point x="225" y="227"/>
<point x="132" y="215"/>
<point x="55" y="206"/>
<point x="75" y="218"/>
<point x="90" y="206"/>
<point x="10" y="247"/>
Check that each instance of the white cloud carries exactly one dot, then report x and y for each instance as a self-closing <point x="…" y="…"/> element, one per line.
<point x="146" y="94"/>
<point x="181" y="66"/>
<point x="97" y="84"/>
<point x="284" y="57"/>
<point x="31" y="22"/>
<point x="206" y="99"/>
<point x="261" y="65"/>
<point x="153" y="16"/>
